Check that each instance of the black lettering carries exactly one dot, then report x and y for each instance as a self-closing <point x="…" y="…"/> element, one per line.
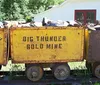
<point x="36" y="46"/>
<point x="59" y="38"/>
<point x="37" y="38"/>
<point x="28" y="39"/>
<point x="64" y="38"/>
<point x="51" y="38"/>
<point x="46" y="38"/>
<point x="31" y="39"/>
<point x="55" y="46"/>
<point x="32" y="46"/>
<point x="48" y="46"/>
<point x="28" y="46"/>
<point x="41" y="46"/>
<point x="42" y="38"/>
<point x="24" y="39"/>
<point x="55" y="38"/>
<point x="60" y="46"/>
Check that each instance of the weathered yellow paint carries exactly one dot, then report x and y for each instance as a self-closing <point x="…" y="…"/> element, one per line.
<point x="28" y="45"/>
<point x="3" y="47"/>
<point x="86" y="44"/>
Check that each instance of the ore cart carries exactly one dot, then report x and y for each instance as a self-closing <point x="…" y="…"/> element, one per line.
<point x="41" y="47"/>
<point x="3" y="47"/>
<point x="93" y="59"/>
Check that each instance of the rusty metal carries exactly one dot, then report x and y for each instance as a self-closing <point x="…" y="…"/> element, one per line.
<point x="94" y="46"/>
<point x="6" y="54"/>
<point x="97" y="71"/>
<point x="34" y="73"/>
<point x="61" y="71"/>
<point x="86" y="43"/>
<point x="47" y="62"/>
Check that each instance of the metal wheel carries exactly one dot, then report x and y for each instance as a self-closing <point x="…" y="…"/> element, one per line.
<point x="96" y="71"/>
<point x="61" y="71"/>
<point x="34" y="73"/>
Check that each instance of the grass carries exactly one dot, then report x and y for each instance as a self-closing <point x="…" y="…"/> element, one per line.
<point x="96" y="83"/>
<point x="13" y="67"/>
<point x="77" y="66"/>
<point x="21" y="67"/>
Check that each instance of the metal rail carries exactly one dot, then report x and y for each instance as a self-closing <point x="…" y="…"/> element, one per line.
<point x="19" y="78"/>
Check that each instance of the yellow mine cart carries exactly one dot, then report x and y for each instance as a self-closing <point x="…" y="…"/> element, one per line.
<point x="3" y="46"/>
<point x="53" y="46"/>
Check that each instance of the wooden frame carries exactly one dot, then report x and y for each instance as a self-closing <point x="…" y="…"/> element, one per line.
<point x="84" y="12"/>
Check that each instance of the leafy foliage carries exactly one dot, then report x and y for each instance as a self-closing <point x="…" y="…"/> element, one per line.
<point x="37" y="6"/>
<point x="19" y="9"/>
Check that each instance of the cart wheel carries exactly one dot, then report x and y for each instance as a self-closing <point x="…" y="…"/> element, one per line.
<point x="61" y="71"/>
<point x="34" y="73"/>
<point x="96" y="70"/>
